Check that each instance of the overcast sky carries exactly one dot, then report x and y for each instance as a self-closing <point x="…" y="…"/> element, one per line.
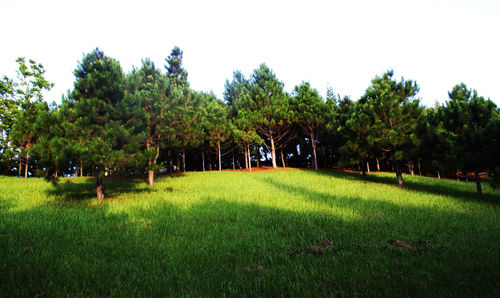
<point x="342" y="44"/>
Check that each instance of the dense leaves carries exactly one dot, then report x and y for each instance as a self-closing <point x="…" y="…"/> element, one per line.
<point x="149" y="122"/>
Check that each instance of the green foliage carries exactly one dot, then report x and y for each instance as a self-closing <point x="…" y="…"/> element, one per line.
<point x="147" y="95"/>
<point x="395" y="116"/>
<point x="359" y="135"/>
<point x="101" y="114"/>
<point x="470" y="119"/>
<point x="175" y="72"/>
<point x="31" y="81"/>
<point x="472" y="123"/>
<point x="271" y="106"/>
<point x="215" y="124"/>
<point x="311" y="113"/>
<point x="242" y="110"/>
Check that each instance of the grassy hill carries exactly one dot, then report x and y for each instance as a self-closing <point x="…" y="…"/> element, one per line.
<point x="269" y="233"/>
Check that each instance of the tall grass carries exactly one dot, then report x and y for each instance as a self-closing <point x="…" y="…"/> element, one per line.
<point x="271" y="233"/>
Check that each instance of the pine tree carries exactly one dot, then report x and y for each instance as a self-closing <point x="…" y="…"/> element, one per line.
<point x="101" y="117"/>
<point x="175" y="72"/>
<point x="311" y="114"/>
<point x="359" y="136"/>
<point x="271" y="106"/>
<point x="243" y="114"/>
<point x="471" y="120"/>
<point x="395" y="114"/>
<point x="148" y="89"/>
<point x="216" y="125"/>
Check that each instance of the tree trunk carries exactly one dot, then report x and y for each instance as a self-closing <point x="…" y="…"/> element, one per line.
<point x="368" y="167"/>
<point x="258" y="156"/>
<point x="203" y="158"/>
<point x="219" y="155"/>
<point x="419" y="169"/>
<point x="55" y="174"/>
<point x="26" y="166"/>
<point x="363" y="169"/>
<point x="150" y="162"/>
<point x="76" y="171"/>
<point x="282" y="158"/>
<point x="399" y="175"/>
<point x="315" y="157"/>
<point x="478" y="184"/>
<point x="249" y="159"/>
<point x="184" y="161"/>
<point x="378" y="165"/>
<point x="151" y="175"/>
<point x="81" y="169"/>
<point x="178" y="162"/>
<point x="439" y="175"/>
<point x="273" y="153"/>
<point x="209" y="162"/>
<point x="234" y="165"/>
<point x="246" y="156"/>
<point x="20" y="166"/>
<point x="100" y="195"/>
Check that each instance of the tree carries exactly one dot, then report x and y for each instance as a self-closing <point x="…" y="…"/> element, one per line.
<point x="8" y="106"/>
<point x="272" y="107"/>
<point x="52" y="149"/>
<point x="148" y="89"/>
<point x="359" y="137"/>
<point x="26" y="131"/>
<point x="101" y="115"/>
<point x="242" y="113"/>
<point x="471" y="121"/>
<point x="8" y="110"/>
<point x="216" y="124"/>
<point x="339" y="112"/>
<point x="175" y="72"/>
<point x="29" y="91"/>
<point x="311" y="114"/>
<point x="395" y="112"/>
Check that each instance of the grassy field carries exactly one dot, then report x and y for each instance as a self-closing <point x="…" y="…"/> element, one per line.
<point x="270" y="233"/>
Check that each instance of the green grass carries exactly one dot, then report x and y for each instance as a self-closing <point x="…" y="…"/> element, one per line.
<point x="270" y="233"/>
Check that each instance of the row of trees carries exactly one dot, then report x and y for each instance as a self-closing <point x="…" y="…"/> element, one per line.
<point x="149" y="121"/>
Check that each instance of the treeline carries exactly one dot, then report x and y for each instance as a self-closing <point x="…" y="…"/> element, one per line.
<point x="150" y="121"/>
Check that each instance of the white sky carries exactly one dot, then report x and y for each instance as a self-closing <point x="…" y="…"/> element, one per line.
<point x="343" y="44"/>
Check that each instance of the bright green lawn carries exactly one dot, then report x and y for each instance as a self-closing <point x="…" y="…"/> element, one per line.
<point x="270" y="233"/>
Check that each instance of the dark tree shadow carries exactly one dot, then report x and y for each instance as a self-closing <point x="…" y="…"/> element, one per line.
<point x="113" y="186"/>
<point x="424" y="185"/>
<point x="162" y="250"/>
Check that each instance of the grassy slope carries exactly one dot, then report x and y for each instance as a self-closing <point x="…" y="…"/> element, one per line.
<point x="249" y="233"/>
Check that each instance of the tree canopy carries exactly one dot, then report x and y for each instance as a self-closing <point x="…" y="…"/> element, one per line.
<point x="148" y="122"/>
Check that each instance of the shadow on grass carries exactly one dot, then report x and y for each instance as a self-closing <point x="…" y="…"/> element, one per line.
<point x="112" y="187"/>
<point x="457" y="190"/>
<point x="231" y="248"/>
